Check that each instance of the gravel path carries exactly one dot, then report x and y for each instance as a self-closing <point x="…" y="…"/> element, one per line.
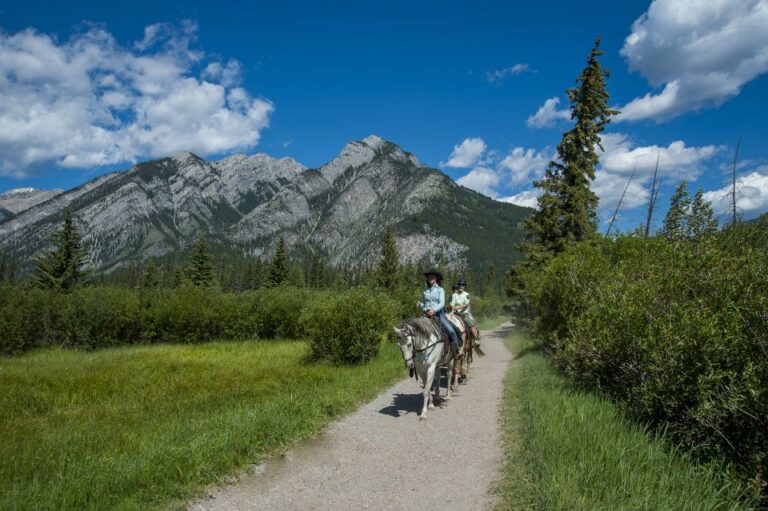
<point x="383" y="457"/>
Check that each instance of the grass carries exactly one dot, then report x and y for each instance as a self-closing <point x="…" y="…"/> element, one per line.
<point x="572" y="450"/>
<point x="149" y="427"/>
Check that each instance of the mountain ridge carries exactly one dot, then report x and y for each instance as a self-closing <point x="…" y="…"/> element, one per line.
<point x="243" y="203"/>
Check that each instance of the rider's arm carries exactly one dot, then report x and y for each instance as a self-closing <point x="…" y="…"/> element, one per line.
<point x="441" y="299"/>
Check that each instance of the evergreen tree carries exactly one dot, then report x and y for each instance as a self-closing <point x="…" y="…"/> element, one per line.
<point x="318" y="277"/>
<point x="278" y="272"/>
<point x="3" y="268"/>
<point x="62" y="266"/>
<point x="676" y="221"/>
<point x="701" y="221"/>
<point x="389" y="264"/>
<point x="567" y="207"/>
<point x="200" y="269"/>
<point x="295" y="276"/>
<point x="489" y="290"/>
<point x="151" y="278"/>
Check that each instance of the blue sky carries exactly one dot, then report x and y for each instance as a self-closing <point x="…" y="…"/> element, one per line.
<point x="469" y="87"/>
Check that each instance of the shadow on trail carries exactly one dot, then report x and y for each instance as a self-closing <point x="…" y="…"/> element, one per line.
<point x="501" y="332"/>
<point x="405" y="403"/>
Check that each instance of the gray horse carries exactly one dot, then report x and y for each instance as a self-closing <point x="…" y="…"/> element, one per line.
<point x="425" y="352"/>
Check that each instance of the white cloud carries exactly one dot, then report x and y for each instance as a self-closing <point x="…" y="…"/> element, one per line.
<point x="751" y="193"/>
<point x="481" y="179"/>
<point x="527" y="198"/>
<point x="548" y="114"/>
<point x="524" y="164"/>
<point x="621" y="158"/>
<point x="499" y="75"/>
<point x="466" y="154"/>
<point x="89" y="101"/>
<point x="701" y="51"/>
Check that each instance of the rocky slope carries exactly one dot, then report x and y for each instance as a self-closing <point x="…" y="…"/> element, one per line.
<point x="243" y="203"/>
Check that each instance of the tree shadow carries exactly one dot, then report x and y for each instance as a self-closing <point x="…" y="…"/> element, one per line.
<point x="533" y="348"/>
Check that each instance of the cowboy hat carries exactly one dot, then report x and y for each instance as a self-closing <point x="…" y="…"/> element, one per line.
<point x="433" y="271"/>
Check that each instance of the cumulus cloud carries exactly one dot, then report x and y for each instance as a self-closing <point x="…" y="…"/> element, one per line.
<point x="89" y="101"/>
<point x="701" y="52"/>
<point x="500" y="75"/>
<point x="751" y="193"/>
<point x="525" y="164"/>
<point x="481" y="179"/>
<point x="621" y="158"/>
<point x="466" y="154"/>
<point x="548" y="114"/>
<point x="496" y="173"/>
<point x="526" y="199"/>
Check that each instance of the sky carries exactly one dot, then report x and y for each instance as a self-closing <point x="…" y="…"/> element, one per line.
<point x="476" y="89"/>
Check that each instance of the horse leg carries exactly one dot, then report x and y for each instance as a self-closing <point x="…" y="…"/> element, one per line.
<point x="451" y="373"/>
<point x="428" y="392"/>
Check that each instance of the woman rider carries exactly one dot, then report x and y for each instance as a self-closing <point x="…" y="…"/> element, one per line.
<point x="433" y="304"/>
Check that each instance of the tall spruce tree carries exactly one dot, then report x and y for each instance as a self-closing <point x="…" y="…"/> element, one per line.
<point x="278" y="272"/>
<point x="152" y="277"/>
<point x="200" y="269"/>
<point x="676" y="222"/>
<point x="567" y="206"/>
<point x="62" y="266"/>
<point x="388" y="269"/>
<point x="701" y="221"/>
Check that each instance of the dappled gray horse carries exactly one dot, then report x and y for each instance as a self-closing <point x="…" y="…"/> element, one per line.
<point x="425" y="352"/>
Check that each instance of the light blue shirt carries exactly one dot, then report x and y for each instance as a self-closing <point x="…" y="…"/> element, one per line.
<point x="433" y="298"/>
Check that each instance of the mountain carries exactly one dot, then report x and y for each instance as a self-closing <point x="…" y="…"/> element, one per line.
<point x="244" y="203"/>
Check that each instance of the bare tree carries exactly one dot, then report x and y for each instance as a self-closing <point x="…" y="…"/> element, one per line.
<point x="621" y="199"/>
<point x="733" y="185"/>
<point x="655" y="186"/>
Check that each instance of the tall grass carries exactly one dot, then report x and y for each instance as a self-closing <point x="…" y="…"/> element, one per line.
<point x="572" y="450"/>
<point x="148" y="427"/>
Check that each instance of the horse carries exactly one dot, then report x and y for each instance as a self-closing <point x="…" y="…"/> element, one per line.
<point x="425" y="351"/>
<point x="468" y="342"/>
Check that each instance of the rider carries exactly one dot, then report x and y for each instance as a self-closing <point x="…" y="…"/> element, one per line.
<point x="433" y="304"/>
<point x="460" y="304"/>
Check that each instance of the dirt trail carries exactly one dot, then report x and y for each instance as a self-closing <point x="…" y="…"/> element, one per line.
<point x="383" y="457"/>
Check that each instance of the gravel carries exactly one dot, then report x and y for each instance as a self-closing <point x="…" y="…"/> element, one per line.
<point x="383" y="457"/>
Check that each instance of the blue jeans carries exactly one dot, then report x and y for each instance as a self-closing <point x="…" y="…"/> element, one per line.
<point x="453" y="335"/>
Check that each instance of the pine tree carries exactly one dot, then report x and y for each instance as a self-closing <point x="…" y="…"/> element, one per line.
<point x="389" y="264"/>
<point x="62" y="266"/>
<point x="151" y="278"/>
<point x="676" y="221"/>
<point x="317" y="274"/>
<point x="295" y="276"/>
<point x="567" y="207"/>
<point x="278" y="272"/>
<point x="200" y="269"/>
<point x="701" y="221"/>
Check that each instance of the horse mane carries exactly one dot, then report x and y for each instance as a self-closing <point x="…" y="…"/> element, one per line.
<point x="423" y="326"/>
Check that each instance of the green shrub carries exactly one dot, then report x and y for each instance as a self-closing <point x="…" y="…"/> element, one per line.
<point x="348" y="328"/>
<point x="677" y="332"/>
<point x="278" y="310"/>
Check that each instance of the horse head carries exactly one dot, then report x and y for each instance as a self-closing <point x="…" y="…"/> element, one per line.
<point x="405" y="341"/>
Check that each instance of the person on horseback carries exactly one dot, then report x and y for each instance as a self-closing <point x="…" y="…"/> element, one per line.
<point x="460" y="305"/>
<point x="433" y="304"/>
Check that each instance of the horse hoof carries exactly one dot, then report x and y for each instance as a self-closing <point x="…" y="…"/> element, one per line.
<point x="423" y="417"/>
<point x="448" y="398"/>
<point x="431" y="406"/>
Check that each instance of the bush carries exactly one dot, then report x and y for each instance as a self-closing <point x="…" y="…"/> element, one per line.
<point x="677" y="332"/>
<point x="348" y="328"/>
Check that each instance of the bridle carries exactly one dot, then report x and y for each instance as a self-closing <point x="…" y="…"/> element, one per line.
<point x="417" y="352"/>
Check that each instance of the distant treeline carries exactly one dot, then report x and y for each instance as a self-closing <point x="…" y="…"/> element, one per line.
<point x="60" y="305"/>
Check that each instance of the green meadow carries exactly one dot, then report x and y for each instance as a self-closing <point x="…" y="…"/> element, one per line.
<point x="149" y="427"/>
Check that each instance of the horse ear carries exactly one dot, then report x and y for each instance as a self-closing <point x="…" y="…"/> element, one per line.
<point x="397" y="331"/>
